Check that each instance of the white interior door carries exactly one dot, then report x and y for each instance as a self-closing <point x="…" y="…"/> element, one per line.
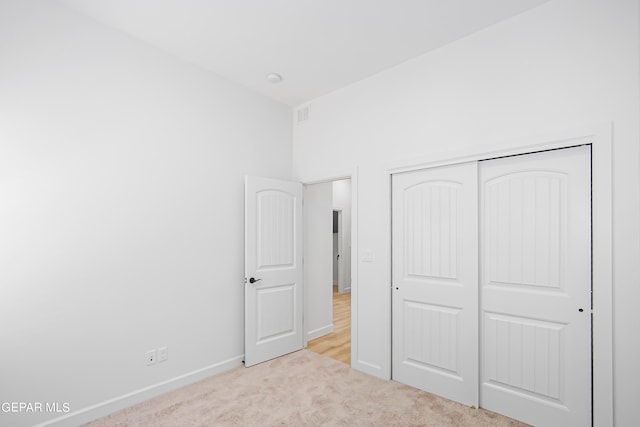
<point x="536" y="287"/>
<point x="435" y="281"/>
<point x="273" y="269"/>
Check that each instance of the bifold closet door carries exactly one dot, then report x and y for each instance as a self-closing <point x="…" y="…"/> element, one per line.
<point x="535" y="216"/>
<point x="435" y="281"/>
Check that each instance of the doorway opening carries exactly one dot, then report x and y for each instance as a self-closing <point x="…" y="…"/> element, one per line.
<point x="336" y="342"/>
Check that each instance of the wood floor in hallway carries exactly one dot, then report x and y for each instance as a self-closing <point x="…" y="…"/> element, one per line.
<point x="337" y="345"/>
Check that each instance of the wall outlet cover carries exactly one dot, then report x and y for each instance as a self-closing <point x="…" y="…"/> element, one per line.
<point x="151" y="357"/>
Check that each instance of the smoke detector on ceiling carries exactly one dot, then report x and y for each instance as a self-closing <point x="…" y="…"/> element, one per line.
<point x="274" y="77"/>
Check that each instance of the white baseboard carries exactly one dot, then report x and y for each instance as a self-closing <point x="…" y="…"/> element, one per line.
<point x="317" y="333"/>
<point x="110" y="406"/>
<point x="369" y="368"/>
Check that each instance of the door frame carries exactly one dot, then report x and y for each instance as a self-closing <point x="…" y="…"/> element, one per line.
<point x="600" y="139"/>
<point x="353" y="176"/>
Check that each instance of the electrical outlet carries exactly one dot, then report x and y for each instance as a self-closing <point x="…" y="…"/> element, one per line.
<point x="163" y="354"/>
<point x="151" y="357"/>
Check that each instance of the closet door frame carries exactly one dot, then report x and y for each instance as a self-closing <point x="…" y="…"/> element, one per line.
<point x="600" y="139"/>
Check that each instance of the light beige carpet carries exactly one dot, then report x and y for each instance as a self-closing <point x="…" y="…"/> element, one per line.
<point x="301" y="389"/>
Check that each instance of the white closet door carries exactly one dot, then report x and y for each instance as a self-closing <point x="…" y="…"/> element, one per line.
<point x="435" y="281"/>
<point x="536" y="287"/>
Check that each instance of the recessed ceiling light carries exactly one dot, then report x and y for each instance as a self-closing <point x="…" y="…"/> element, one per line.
<point x="274" y="77"/>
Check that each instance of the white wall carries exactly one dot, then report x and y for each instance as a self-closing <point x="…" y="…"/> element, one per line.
<point x="318" y="241"/>
<point x="342" y="202"/>
<point x="121" y="210"/>
<point x="566" y="63"/>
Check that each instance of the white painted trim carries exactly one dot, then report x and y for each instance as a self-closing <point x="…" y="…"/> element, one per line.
<point x="601" y="140"/>
<point x="602" y="223"/>
<point x="330" y="178"/>
<point x="547" y="141"/>
<point x="110" y="406"/>
<point x="355" y="284"/>
<point x="369" y="368"/>
<point x="319" y="332"/>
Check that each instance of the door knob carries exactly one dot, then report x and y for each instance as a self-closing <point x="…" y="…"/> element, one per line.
<point x="252" y="280"/>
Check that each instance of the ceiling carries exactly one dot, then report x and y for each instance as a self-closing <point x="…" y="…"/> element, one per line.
<point x="318" y="46"/>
